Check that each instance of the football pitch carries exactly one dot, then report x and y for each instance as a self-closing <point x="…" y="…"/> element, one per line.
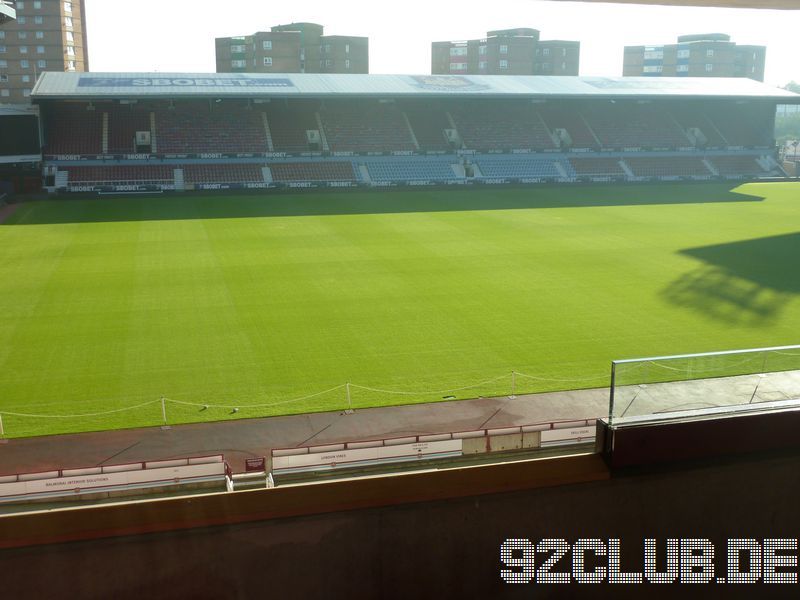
<point x="235" y="306"/>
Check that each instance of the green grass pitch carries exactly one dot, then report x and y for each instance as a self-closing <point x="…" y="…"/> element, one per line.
<point x="253" y="301"/>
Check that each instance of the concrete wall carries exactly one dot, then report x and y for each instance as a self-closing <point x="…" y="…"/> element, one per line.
<point x="438" y="549"/>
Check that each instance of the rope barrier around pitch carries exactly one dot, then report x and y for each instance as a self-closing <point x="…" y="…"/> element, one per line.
<point x="236" y="407"/>
<point x="81" y="416"/>
<point x="239" y="406"/>
<point x="595" y="378"/>
<point x="427" y="392"/>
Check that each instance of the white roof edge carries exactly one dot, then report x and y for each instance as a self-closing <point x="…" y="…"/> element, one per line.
<point x="18" y="109"/>
<point x="286" y="85"/>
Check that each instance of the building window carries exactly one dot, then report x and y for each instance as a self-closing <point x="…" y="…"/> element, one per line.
<point x="267" y="45"/>
<point x="37" y="4"/>
<point x="26" y="79"/>
<point x="326" y="48"/>
<point x="709" y="67"/>
<point x="483" y="65"/>
<point x="267" y="61"/>
<point x="328" y="62"/>
<point x="709" y="53"/>
<point x="563" y="52"/>
<point x="2" y="49"/>
<point x="458" y="51"/>
<point x="4" y="93"/>
<point x="653" y="54"/>
<point x="347" y="48"/>
<point x="20" y="5"/>
<point x="26" y="92"/>
<point x="482" y="50"/>
<point x="458" y="66"/>
<point x="237" y="49"/>
<point x="68" y="21"/>
<point x="683" y="68"/>
<point x="40" y="35"/>
<point x="503" y="64"/>
<point x="22" y="34"/>
<point x="42" y="64"/>
<point x="238" y="64"/>
<point x="684" y="53"/>
<point x="70" y="37"/>
<point x="3" y="78"/>
<point x="22" y="20"/>
<point x="503" y="49"/>
<point x="653" y="69"/>
<point x="39" y="49"/>
<point x="70" y="51"/>
<point x="347" y="63"/>
<point x="38" y="19"/>
<point x="68" y="7"/>
<point x="545" y="51"/>
<point x="563" y="66"/>
<point x="70" y="65"/>
<point x="3" y="64"/>
<point x="23" y="49"/>
<point x="2" y="35"/>
<point x="24" y="64"/>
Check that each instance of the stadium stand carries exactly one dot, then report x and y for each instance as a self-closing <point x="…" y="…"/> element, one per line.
<point x="222" y="173"/>
<point x="418" y="169"/>
<point x="332" y="131"/>
<point x="668" y="166"/>
<point x="73" y="129"/>
<point x="699" y="126"/>
<point x="505" y="125"/>
<point x="737" y="165"/>
<point x="288" y="125"/>
<point x="313" y="171"/>
<point x="629" y="125"/>
<point x="504" y="167"/>
<point x="121" y="174"/>
<point x="741" y="127"/>
<point x="366" y="127"/>
<point x="570" y="121"/>
<point x="197" y="128"/>
<point x="123" y="123"/>
<point x="429" y="127"/>
<point x="597" y="167"/>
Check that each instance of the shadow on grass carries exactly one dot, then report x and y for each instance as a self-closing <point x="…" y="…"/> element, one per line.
<point x="746" y="282"/>
<point x="362" y="202"/>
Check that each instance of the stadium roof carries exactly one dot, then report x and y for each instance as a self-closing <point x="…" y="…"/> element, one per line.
<point x="99" y="86"/>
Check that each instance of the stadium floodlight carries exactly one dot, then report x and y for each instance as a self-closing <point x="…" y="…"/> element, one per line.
<point x="7" y="11"/>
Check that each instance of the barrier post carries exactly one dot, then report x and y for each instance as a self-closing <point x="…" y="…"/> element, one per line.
<point x="164" y="413"/>
<point x="349" y="410"/>
<point x="2" y="431"/>
<point x="513" y="385"/>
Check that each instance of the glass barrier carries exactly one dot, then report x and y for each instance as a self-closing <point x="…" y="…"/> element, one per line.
<point x="666" y="385"/>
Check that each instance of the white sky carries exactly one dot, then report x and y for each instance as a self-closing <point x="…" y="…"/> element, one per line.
<point x="178" y="35"/>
